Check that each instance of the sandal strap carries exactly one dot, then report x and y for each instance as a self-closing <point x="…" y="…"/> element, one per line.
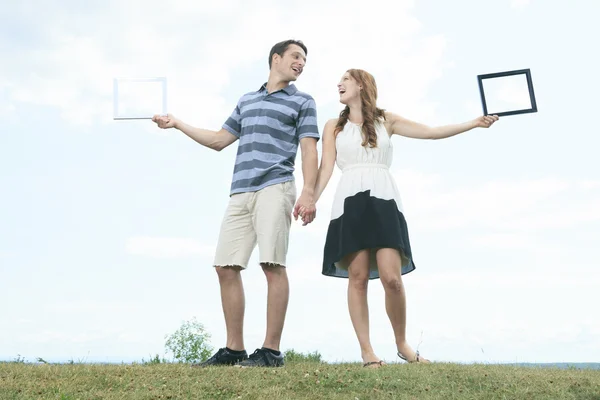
<point x="372" y="363"/>
<point x="417" y="358"/>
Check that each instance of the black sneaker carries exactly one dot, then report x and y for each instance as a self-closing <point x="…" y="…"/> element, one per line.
<point x="223" y="357"/>
<point x="263" y="358"/>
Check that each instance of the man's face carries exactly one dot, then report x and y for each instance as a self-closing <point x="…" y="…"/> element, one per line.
<point x="292" y="63"/>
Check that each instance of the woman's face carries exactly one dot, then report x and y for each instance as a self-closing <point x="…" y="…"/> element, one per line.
<point x="348" y="88"/>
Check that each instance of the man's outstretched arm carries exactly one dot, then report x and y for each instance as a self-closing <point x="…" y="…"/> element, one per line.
<point x="216" y="140"/>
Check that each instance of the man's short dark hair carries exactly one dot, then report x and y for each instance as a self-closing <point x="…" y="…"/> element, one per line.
<point x="281" y="47"/>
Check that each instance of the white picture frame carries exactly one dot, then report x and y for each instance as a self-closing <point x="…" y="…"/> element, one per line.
<point x="139" y="98"/>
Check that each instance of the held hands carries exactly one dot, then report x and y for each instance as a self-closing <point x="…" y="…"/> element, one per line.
<point x="305" y="208"/>
<point x="164" y="122"/>
<point x="485" y="121"/>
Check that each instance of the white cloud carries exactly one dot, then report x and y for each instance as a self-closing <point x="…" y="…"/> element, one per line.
<point x="505" y="241"/>
<point x="519" y="3"/>
<point x="73" y="72"/>
<point x="50" y="336"/>
<point x="7" y="111"/>
<point x="165" y="247"/>
<point x="589" y="184"/>
<point x="87" y="307"/>
<point x="486" y="280"/>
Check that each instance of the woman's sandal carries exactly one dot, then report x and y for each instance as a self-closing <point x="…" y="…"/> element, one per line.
<point x="381" y="363"/>
<point x="416" y="360"/>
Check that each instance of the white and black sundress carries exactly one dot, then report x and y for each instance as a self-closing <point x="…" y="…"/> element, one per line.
<point x="367" y="210"/>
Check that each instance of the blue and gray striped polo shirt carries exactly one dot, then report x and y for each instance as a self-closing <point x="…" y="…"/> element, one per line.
<point x="269" y="127"/>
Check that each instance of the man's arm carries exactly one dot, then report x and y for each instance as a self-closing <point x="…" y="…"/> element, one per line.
<point x="216" y="140"/>
<point x="310" y="167"/>
<point x="308" y="134"/>
<point x="310" y="164"/>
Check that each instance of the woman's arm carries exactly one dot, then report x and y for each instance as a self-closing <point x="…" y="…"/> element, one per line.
<point x="398" y="125"/>
<point x="327" y="158"/>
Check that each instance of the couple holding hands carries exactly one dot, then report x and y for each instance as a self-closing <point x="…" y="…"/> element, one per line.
<point x="367" y="236"/>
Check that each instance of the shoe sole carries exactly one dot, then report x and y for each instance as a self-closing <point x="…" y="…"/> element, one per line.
<point x="259" y="366"/>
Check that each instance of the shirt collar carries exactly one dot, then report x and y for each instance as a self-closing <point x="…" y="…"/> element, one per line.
<point x="289" y="89"/>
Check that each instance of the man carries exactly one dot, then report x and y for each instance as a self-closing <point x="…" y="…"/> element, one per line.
<point x="270" y="123"/>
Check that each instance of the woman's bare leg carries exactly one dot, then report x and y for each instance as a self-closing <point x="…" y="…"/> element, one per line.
<point x="358" y="274"/>
<point x="389" y="263"/>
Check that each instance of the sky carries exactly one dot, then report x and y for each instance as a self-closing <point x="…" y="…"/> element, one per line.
<point x="108" y="228"/>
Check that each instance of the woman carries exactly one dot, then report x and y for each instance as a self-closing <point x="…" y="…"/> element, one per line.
<point x="367" y="236"/>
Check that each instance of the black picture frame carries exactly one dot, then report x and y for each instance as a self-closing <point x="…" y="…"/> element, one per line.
<point x="527" y="73"/>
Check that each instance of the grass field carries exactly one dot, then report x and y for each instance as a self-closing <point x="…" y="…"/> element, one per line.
<point x="294" y="381"/>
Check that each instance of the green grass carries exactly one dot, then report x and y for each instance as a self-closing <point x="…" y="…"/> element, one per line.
<point x="308" y="380"/>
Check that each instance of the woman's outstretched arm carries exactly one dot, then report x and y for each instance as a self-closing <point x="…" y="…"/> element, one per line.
<point x="398" y="125"/>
